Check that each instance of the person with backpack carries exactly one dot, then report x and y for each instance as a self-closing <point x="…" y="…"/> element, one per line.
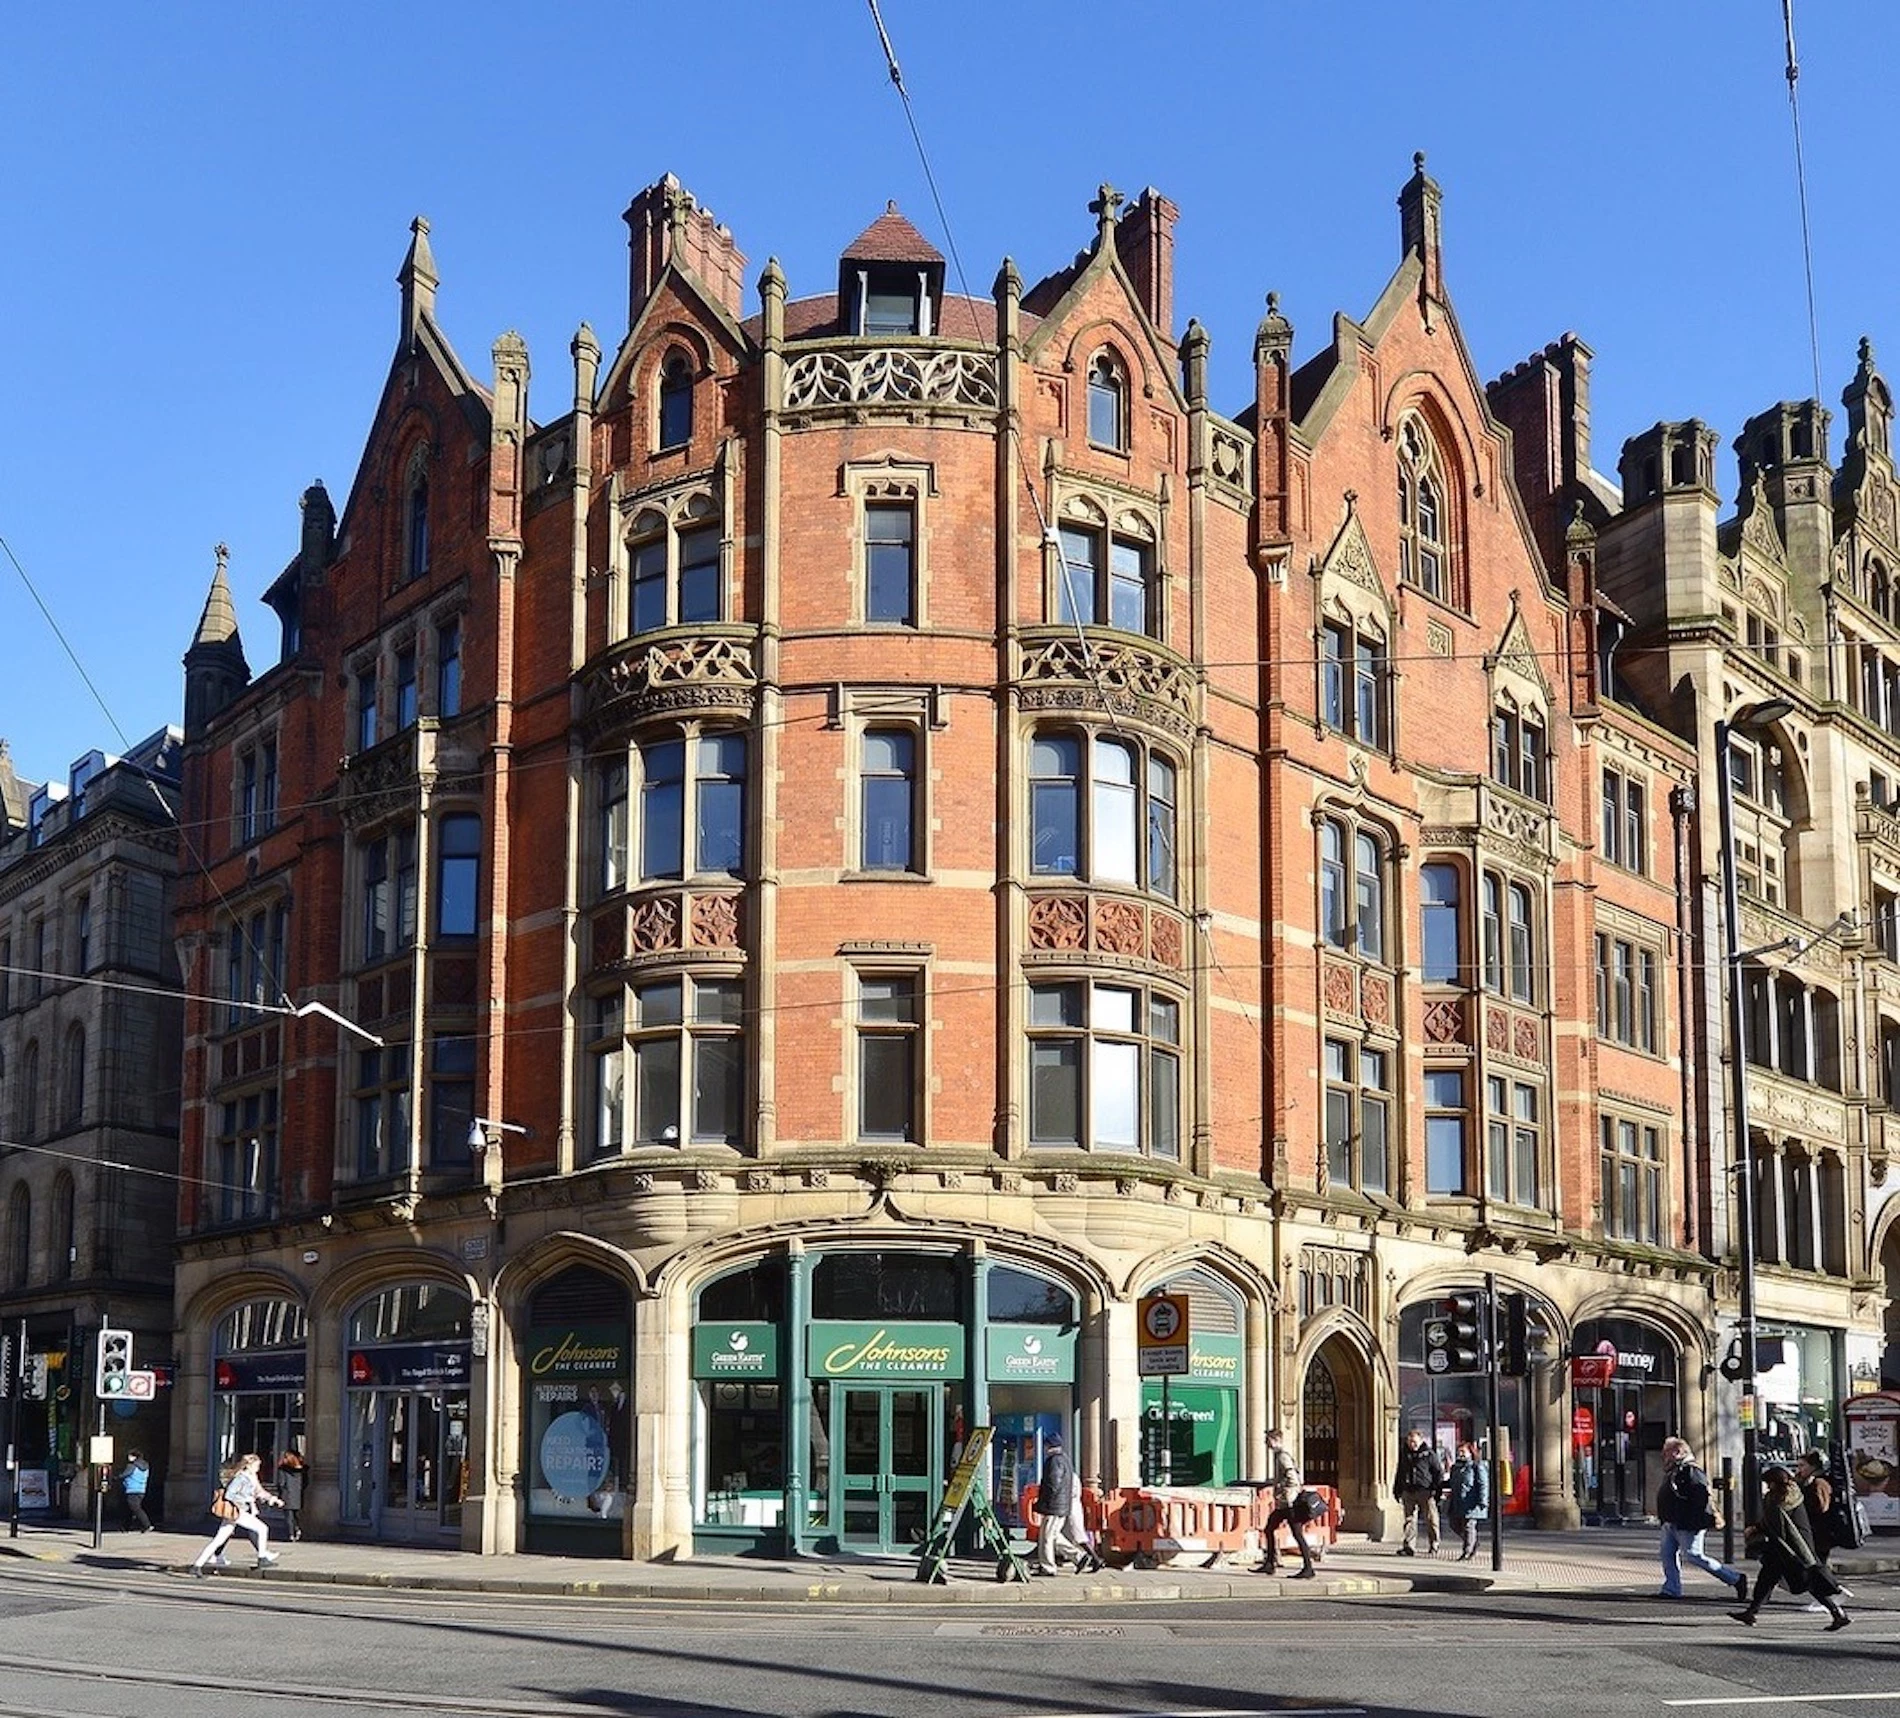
<point x="1823" y="1505"/>
<point x="133" y="1481"/>
<point x="1683" y="1508"/>
<point x="1780" y="1539"/>
<point x="1419" y="1480"/>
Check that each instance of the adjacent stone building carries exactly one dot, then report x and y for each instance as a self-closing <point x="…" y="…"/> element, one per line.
<point x="90" y="1022"/>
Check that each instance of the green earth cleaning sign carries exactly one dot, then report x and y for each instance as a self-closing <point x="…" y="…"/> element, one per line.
<point x="1030" y="1354"/>
<point x="854" y="1350"/>
<point x="736" y="1351"/>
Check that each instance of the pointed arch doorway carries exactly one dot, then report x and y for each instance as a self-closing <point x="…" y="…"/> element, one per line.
<point x="1336" y="1425"/>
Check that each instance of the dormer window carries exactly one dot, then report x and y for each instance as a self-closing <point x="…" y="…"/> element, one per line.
<point x="676" y="400"/>
<point x="893" y="303"/>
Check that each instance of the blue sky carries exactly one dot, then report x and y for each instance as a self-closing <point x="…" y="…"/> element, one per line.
<point x="205" y="206"/>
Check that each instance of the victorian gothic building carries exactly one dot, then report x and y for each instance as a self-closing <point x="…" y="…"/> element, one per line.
<point x="753" y="918"/>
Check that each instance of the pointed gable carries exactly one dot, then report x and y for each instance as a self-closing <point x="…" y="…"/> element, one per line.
<point x="1517" y="672"/>
<point x="892" y="238"/>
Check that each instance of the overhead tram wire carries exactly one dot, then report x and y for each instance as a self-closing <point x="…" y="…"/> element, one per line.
<point x="1049" y="536"/>
<point x="1801" y="184"/>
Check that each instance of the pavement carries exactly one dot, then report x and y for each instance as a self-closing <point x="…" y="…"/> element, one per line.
<point x="1603" y="1560"/>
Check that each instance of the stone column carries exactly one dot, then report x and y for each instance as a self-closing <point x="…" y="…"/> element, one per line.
<point x="1548" y="1393"/>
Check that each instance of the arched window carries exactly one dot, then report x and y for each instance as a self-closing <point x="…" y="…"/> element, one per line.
<point x="675" y="576"/>
<point x="1108" y="394"/>
<point x="63" y="1237"/>
<point x="73" y="1086"/>
<point x="676" y="400"/>
<point x="1879" y="590"/>
<point x="1126" y="834"/>
<point x="1422" y="558"/>
<point x="30" y="1093"/>
<point x="415" y="521"/>
<point x="19" y="1237"/>
<point x="1352" y="888"/>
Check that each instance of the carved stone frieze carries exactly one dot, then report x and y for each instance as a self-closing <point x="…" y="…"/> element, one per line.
<point x="1375" y="999"/>
<point x="1229" y="457"/>
<point x="1058" y="922"/>
<point x="382" y="783"/>
<point x="1059" y="674"/>
<point x="1165" y="935"/>
<point x="898" y="376"/>
<point x="1118" y="928"/>
<point x="1337" y="987"/>
<point x="679" y="672"/>
<point x="716" y="921"/>
<point x="656" y="924"/>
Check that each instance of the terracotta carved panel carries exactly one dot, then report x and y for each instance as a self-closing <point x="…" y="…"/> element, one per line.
<point x="1118" y="927"/>
<point x="1338" y="988"/>
<point x="1166" y="939"/>
<point x="656" y="925"/>
<point x="1445" y="1021"/>
<point x="1527" y="1040"/>
<point x="1497" y="1030"/>
<point x="1057" y="922"/>
<point x="716" y="921"/>
<point x="1375" y="999"/>
<point x="610" y="936"/>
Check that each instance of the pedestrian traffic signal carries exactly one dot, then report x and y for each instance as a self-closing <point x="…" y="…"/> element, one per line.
<point x="1514" y="1335"/>
<point x="115" y="1362"/>
<point x="1454" y="1336"/>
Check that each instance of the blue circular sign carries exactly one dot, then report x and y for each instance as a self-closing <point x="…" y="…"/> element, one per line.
<point x="574" y="1454"/>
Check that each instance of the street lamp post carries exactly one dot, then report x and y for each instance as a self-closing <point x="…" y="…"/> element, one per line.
<point x="1743" y="1166"/>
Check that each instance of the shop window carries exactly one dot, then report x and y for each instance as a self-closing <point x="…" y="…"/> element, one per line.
<point x="1514" y="1141"/>
<point x="382" y="1112"/>
<point x="1105" y="1069"/>
<point x="451" y="1100"/>
<point x="246" y="1153"/>
<point x="676" y="401"/>
<point x="1358" y="1117"/>
<point x="1632" y="1189"/>
<point x="920" y="1286"/>
<point x="458" y="874"/>
<point x="1355" y="683"/>
<point x="1022" y="1297"/>
<point x="888" y="800"/>
<point x="890" y="1056"/>
<point x="1121" y="830"/>
<point x="1106" y="579"/>
<point x="754" y="1295"/>
<point x="1446" y="1126"/>
<point x="1107" y="413"/>
<point x="413" y="1312"/>
<point x="674" y="570"/>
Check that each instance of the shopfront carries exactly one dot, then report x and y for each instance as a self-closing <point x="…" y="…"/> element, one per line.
<point x="872" y="1381"/>
<point x="1801" y="1381"/>
<point x="1451" y="1409"/>
<point x="1625" y="1400"/>
<point x="258" y="1376"/>
<point x="406" y="1433"/>
<point x="577" y="1383"/>
<point x="1198" y="1413"/>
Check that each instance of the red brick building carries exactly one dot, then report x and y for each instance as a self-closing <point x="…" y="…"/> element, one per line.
<point x="883" y="832"/>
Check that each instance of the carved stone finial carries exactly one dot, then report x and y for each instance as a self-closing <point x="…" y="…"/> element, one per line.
<point x="223" y="552"/>
<point x="1866" y="351"/>
<point x="1418" y="161"/>
<point x="1352" y="499"/>
<point x="1107" y="201"/>
<point x="1273" y="304"/>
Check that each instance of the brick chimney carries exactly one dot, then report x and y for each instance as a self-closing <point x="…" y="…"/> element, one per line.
<point x="665" y="224"/>
<point x="1144" y="240"/>
<point x="1545" y="403"/>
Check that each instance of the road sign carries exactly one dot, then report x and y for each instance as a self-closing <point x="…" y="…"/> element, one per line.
<point x="1161" y="1336"/>
<point x="141" y="1386"/>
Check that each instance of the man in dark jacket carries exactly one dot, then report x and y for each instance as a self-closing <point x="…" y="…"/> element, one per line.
<point x="1419" y="1480"/>
<point x="1682" y="1506"/>
<point x="1055" y="1497"/>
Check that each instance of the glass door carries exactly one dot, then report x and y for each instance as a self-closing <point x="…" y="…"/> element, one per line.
<point x="891" y="1470"/>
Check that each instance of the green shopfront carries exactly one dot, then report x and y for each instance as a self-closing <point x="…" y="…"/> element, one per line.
<point x="1201" y="1410"/>
<point x="833" y="1391"/>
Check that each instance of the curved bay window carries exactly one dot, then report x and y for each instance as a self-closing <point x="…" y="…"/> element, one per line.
<point x="1102" y="809"/>
<point x="675" y="565"/>
<point x="1105" y="1068"/>
<point x="667" y="1060"/>
<point x="686" y="793"/>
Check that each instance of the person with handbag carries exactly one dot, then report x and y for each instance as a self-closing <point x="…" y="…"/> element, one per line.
<point x="1683" y="1508"/>
<point x="1780" y="1539"/>
<point x="235" y="1506"/>
<point x="1289" y="1509"/>
<point x="1468" y="1497"/>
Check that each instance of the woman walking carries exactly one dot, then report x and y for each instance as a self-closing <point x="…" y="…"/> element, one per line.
<point x="1469" y="1496"/>
<point x="1818" y="1500"/>
<point x="236" y="1507"/>
<point x="1787" y="1554"/>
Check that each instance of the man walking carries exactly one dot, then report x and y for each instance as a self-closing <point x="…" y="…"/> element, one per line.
<point x="135" y="1479"/>
<point x="1682" y="1506"/>
<point x="1419" y="1480"/>
<point x="1287" y="1487"/>
<point x="1055" y="1497"/>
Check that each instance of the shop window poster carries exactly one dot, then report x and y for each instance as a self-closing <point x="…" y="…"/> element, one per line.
<point x="580" y="1422"/>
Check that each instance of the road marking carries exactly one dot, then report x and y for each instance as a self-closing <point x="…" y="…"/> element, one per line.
<point x="1055" y="1631"/>
<point x="1220" y="1712"/>
<point x="1782" y="1699"/>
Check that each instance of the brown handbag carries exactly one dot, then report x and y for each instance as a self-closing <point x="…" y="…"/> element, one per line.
<point x="223" y="1508"/>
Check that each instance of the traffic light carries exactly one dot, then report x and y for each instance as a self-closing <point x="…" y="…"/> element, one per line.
<point x="1454" y="1336"/>
<point x="115" y="1362"/>
<point x="1514" y="1334"/>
